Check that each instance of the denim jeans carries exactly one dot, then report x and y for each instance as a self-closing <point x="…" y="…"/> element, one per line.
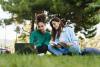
<point x="86" y="51"/>
<point x="60" y="51"/>
<point x="75" y="49"/>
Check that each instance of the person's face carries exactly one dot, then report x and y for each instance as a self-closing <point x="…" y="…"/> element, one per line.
<point x="41" y="27"/>
<point x="55" y="24"/>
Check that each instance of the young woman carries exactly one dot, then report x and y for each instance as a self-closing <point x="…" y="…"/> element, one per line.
<point x="63" y="40"/>
<point x="40" y="38"/>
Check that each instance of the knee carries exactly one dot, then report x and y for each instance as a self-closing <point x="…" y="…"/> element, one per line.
<point x="75" y="49"/>
<point x="49" y="46"/>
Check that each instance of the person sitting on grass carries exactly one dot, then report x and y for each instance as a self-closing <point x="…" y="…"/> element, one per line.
<point x="63" y="39"/>
<point x="40" y="38"/>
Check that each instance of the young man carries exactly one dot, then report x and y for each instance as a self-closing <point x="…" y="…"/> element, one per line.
<point x="40" y="38"/>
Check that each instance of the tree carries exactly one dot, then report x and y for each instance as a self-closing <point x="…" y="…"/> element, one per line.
<point x="25" y="9"/>
<point x="82" y="12"/>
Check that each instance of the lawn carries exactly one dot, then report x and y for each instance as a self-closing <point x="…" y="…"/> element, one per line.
<point x="15" y="60"/>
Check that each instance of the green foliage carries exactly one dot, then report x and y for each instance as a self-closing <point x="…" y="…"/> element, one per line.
<point x="25" y="9"/>
<point x="91" y="32"/>
<point x="0" y="22"/>
<point x="17" y="29"/>
<point x="7" y="21"/>
<point x="82" y="12"/>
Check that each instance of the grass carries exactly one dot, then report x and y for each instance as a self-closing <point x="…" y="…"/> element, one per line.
<point x="14" y="60"/>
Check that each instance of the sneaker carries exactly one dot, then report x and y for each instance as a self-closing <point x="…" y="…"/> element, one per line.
<point x="41" y="54"/>
<point x="48" y="53"/>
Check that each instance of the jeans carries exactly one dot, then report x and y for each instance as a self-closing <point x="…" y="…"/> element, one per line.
<point x="42" y="49"/>
<point x="75" y="49"/>
<point x="60" y="51"/>
<point x="86" y="51"/>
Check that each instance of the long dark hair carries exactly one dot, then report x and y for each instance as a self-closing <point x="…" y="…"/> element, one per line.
<point x="39" y="18"/>
<point x="58" y="31"/>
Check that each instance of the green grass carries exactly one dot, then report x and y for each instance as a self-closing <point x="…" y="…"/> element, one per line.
<point x="15" y="60"/>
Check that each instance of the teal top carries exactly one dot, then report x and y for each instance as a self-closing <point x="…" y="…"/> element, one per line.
<point x="37" y="38"/>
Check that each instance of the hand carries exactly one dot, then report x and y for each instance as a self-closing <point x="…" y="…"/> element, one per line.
<point x="65" y="44"/>
<point x="53" y="43"/>
<point x="68" y="44"/>
<point x="58" y="46"/>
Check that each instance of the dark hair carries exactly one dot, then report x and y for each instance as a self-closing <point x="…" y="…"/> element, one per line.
<point x="54" y="31"/>
<point x="64" y="21"/>
<point x="41" y="18"/>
